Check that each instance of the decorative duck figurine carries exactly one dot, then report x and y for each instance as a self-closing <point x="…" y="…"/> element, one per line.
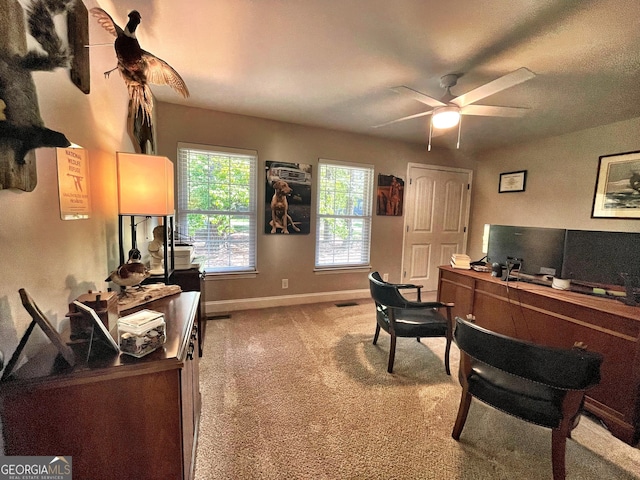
<point x="131" y="273"/>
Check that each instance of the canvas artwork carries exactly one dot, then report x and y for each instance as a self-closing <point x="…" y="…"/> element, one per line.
<point x="287" y="198"/>
<point x="390" y="195"/>
<point x="617" y="193"/>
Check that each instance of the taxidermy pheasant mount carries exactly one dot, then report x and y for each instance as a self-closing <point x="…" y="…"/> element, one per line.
<point x="138" y="67"/>
<point x="21" y="127"/>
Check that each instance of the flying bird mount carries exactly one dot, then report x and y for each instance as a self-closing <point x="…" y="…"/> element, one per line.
<point x="138" y="69"/>
<point x="447" y="111"/>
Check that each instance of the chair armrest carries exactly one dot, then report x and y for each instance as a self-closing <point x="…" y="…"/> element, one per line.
<point x="411" y="304"/>
<point x="410" y="286"/>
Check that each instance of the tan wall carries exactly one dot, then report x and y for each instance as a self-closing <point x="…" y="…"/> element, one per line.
<point x="560" y="182"/>
<point x="292" y="256"/>
<point x="56" y="260"/>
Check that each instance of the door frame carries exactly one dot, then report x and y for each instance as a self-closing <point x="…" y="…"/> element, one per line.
<point x="409" y="208"/>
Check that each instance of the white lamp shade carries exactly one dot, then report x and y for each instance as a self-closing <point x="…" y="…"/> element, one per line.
<point x="145" y="185"/>
<point x="446" y="117"/>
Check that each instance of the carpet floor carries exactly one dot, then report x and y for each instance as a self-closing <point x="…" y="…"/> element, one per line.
<point x="301" y="393"/>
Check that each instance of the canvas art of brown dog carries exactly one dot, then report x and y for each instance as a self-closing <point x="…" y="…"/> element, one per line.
<point x="280" y="218"/>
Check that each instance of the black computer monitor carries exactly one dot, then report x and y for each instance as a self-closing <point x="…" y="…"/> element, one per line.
<point x="540" y="250"/>
<point x="600" y="257"/>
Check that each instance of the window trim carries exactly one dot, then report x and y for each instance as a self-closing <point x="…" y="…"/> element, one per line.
<point x="344" y="267"/>
<point x="254" y="211"/>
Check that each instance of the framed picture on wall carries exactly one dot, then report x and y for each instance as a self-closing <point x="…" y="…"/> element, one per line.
<point x="390" y="195"/>
<point x="617" y="192"/>
<point x="512" y="181"/>
<point x="287" y="198"/>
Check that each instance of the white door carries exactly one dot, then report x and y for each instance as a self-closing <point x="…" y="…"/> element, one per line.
<point x="436" y="219"/>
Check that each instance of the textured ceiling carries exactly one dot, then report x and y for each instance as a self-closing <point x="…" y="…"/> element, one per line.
<point x="332" y="63"/>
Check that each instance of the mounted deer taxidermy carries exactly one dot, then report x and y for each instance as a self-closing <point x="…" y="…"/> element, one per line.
<point x="21" y="127"/>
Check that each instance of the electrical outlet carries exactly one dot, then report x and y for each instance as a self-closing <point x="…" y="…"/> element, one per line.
<point x="385" y="277"/>
<point x="285" y="283"/>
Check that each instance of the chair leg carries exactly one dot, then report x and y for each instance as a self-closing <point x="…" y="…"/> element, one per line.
<point x="392" y="353"/>
<point x="558" y="449"/>
<point x="463" y="410"/>
<point x="375" y="337"/>
<point x="446" y="356"/>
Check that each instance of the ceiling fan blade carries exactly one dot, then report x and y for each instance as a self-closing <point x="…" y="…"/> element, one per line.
<point x="421" y="97"/>
<point x="410" y="117"/>
<point x="491" y="111"/>
<point x="506" y="81"/>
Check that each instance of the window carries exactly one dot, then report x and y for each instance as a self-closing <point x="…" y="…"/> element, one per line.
<point x="217" y="205"/>
<point x="345" y="197"/>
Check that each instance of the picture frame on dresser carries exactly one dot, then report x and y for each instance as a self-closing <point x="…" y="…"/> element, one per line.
<point x="97" y="324"/>
<point x="617" y="189"/>
<point x="52" y="334"/>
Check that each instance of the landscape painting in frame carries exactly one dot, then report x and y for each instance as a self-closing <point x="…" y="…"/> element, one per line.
<point x="287" y="198"/>
<point x="617" y="193"/>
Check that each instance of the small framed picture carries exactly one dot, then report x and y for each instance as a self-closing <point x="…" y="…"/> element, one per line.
<point x="390" y="195"/>
<point x="512" y="181"/>
<point x="102" y="330"/>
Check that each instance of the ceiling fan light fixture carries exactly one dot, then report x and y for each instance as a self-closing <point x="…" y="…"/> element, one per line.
<point x="446" y="117"/>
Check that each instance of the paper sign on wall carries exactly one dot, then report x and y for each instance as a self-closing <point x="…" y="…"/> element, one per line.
<point x="73" y="183"/>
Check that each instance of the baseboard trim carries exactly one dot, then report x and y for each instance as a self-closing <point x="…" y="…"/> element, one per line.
<point x="216" y="307"/>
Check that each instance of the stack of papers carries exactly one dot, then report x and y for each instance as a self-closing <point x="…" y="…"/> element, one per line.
<point x="460" y="260"/>
<point x="183" y="257"/>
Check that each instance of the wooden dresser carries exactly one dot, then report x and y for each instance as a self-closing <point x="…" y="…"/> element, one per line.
<point x="559" y="318"/>
<point x="192" y="280"/>
<point x="116" y="415"/>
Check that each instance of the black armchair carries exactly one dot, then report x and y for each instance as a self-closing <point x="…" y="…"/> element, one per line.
<point x="401" y="317"/>
<point x="539" y="384"/>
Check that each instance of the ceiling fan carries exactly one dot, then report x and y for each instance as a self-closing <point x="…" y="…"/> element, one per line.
<point x="447" y="111"/>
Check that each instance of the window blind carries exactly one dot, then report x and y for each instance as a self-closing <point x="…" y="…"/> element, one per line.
<point x="217" y="205"/>
<point x="344" y="209"/>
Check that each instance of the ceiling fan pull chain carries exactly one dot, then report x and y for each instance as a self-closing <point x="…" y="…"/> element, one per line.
<point x="430" y="133"/>
<point x="459" y="130"/>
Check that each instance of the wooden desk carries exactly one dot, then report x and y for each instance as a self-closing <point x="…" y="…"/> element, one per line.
<point x="116" y="415"/>
<point x="560" y="318"/>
